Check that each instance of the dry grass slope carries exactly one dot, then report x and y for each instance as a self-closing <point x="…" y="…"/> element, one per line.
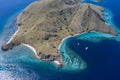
<point x="43" y="24"/>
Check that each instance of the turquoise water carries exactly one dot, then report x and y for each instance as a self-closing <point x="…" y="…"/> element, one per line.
<point x="100" y="60"/>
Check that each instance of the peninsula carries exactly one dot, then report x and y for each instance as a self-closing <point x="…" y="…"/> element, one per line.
<point x="44" y="24"/>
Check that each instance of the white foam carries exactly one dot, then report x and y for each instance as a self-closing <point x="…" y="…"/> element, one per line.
<point x="57" y="62"/>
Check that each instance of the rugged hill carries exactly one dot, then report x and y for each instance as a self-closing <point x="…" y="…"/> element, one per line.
<point x="43" y="25"/>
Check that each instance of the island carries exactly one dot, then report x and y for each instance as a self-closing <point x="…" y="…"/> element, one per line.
<point x="44" y="24"/>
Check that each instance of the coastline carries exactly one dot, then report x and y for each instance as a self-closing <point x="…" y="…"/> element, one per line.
<point x="22" y="63"/>
<point x="35" y="52"/>
<point x="60" y="44"/>
<point x="62" y="41"/>
<point x="79" y="35"/>
<point x="13" y="36"/>
<point x="30" y="47"/>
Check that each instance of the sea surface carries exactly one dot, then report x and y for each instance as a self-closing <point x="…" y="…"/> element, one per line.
<point x="101" y="52"/>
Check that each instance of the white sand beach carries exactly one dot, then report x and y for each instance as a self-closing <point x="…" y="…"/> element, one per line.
<point x="63" y="41"/>
<point x="107" y="35"/>
<point x="13" y="36"/>
<point x="57" y="62"/>
<point x="32" y="48"/>
<point x="35" y="52"/>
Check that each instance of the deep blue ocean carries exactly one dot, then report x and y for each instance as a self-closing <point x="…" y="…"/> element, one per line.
<point x="101" y="54"/>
